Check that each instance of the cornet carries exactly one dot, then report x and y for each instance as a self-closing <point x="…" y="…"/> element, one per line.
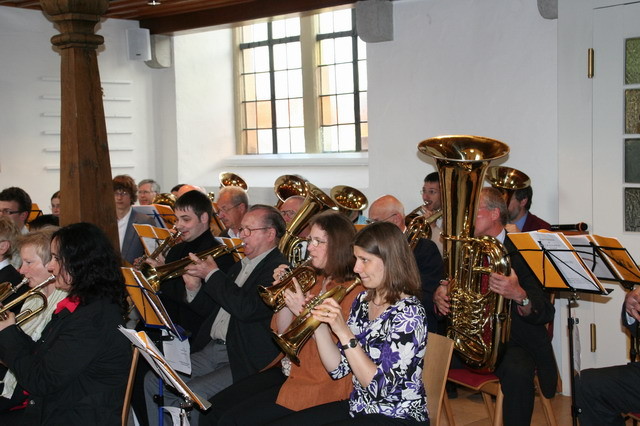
<point x="273" y="295"/>
<point x="6" y="289"/>
<point x="27" y="314"/>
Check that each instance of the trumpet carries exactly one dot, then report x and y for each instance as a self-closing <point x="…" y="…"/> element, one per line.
<point x="273" y="295"/>
<point x="6" y="289"/>
<point x="155" y="275"/>
<point x="303" y="326"/>
<point x="27" y="314"/>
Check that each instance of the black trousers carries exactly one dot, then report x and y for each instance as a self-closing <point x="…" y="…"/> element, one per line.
<point x="516" y="371"/>
<point x="602" y="394"/>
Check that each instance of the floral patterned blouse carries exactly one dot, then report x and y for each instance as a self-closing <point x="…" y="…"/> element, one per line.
<point x="396" y="343"/>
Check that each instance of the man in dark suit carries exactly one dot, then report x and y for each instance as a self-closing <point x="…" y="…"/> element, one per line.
<point x="389" y="209"/>
<point x="603" y="394"/>
<point x="193" y="212"/>
<point x="235" y="340"/>
<point x="528" y="350"/>
<point x="125" y="192"/>
<point x="520" y="218"/>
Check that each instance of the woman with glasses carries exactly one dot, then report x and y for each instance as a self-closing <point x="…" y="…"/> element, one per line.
<point x="383" y="340"/>
<point x="76" y="373"/>
<point x="283" y="390"/>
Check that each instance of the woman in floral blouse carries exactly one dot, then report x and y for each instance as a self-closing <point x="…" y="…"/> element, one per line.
<point x="384" y="339"/>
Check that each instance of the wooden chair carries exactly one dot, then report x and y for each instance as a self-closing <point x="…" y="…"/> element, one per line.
<point x="489" y="386"/>
<point x="434" y="375"/>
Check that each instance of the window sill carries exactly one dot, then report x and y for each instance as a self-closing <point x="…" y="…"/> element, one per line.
<point x="348" y="159"/>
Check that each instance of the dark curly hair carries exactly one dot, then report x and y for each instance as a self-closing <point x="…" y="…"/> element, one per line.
<point x="86" y="254"/>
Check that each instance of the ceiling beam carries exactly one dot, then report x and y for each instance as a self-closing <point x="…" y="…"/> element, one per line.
<point x="252" y="9"/>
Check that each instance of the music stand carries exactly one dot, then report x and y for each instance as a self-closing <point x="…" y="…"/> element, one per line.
<point x="558" y="266"/>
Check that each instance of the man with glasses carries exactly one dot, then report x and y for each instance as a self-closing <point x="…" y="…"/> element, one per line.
<point x="147" y="191"/>
<point x="289" y="208"/>
<point x="235" y="340"/>
<point x="232" y="205"/>
<point x="389" y="209"/>
<point x="16" y="204"/>
<point x="432" y="203"/>
<point x="125" y="194"/>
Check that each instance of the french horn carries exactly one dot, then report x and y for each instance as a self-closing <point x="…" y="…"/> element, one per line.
<point x="479" y="321"/>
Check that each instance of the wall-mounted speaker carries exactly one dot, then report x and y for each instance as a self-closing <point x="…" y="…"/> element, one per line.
<point x="374" y="20"/>
<point x="139" y="44"/>
<point x="160" y="52"/>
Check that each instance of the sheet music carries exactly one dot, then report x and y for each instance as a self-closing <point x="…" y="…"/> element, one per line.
<point x="159" y="364"/>
<point x="588" y="254"/>
<point x="177" y="353"/>
<point x="566" y="261"/>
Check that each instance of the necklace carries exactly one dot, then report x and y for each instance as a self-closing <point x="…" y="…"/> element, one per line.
<point x="380" y="305"/>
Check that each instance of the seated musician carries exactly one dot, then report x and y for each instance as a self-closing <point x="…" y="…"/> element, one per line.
<point x="76" y="373"/>
<point x="15" y="203"/>
<point x="282" y="390"/>
<point x="389" y="209"/>
<point x="431" y="198"/>
<point x="35" y="251"/>
<point x="193" y="212"/>
<point x="234" y="341"/>
<point x="382" y="342"/>
<point x="529" y="347"/>
<point x="289" y="208"/>
<point x="520" y="218"/>
<point x="9" y="234"/>
<point x="232" y="205"/>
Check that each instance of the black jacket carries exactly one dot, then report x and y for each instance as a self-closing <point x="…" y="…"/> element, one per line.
<point x="249" y="342"/>
<point x="76" y="374"/>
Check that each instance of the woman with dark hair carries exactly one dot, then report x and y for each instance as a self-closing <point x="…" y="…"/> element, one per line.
<point x="383" y="341"/>
<point x="76" y="373"/>
<point x="282" y="390"/>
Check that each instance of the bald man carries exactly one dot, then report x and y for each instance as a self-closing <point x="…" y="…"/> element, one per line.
<point x="389" y="209"/>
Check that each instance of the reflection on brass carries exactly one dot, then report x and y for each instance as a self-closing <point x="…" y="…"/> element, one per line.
<point x="479" y="318"/>
<point x="231" y="179"/>
<point x="27" y="314"/>
<point x="273" y="295"/>
<point x="592" y="330"/>
<point x="507" y="180"/>
<point x="420" y="227"/>
<point x="289" y="185"/>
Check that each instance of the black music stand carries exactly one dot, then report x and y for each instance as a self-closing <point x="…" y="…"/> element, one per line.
<point x="558" y="266"/>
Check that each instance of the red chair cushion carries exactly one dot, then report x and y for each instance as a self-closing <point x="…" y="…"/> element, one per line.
<point x="471" y="379"/>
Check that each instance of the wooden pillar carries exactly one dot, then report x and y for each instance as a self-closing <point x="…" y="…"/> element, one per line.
<point x="85" y="167"/>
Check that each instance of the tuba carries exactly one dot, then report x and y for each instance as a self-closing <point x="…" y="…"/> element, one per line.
<point x="303" y="326"/>
<point x="315" y="202"/>
<point x="231" y="179"/>
<point x="507" y="180"/>
<point x="479" y="319"/>
<point x="158" y="274"/>
<point x="349" y="200"/>
<point x="289" y="185"/>
<point x="273" y="295"/>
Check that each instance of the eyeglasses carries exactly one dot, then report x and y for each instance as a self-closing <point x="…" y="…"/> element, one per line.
<point x="145" y="192"/>
<point x="120" y="193"/>
<point x="226" y="210"/>
<point x="288" y="213"/>
<point x="315" y="242"/>
<point x="8" y="212"/>
<point x="248" y="231"/>
<point x="429" y="191"/>
<point x="370" y="221"/>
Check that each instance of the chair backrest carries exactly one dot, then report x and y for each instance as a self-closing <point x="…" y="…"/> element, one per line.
<point x="434" y="374"/>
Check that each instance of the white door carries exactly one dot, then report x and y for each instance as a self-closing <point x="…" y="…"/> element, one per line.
<point x="616" y="187"/>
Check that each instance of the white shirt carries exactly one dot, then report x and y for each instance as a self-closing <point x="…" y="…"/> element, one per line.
<point x="122" y="226"/>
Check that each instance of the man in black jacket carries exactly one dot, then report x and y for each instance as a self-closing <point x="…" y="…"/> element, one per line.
<point x="528" y="351"/>
<point x="235" y="339"/>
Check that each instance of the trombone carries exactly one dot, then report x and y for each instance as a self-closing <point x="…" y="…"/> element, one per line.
<point x="27" y="314"/>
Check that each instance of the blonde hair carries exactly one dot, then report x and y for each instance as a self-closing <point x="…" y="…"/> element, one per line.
<point x="9" y="232"/>
<point x="41" y="241"/>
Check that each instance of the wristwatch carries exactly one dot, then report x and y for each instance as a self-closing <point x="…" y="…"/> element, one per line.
<point x="524" y="302"/>
<point x="352" y="343"/>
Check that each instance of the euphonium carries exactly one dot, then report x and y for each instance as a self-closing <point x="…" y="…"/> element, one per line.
<point x="479" y="318"/>
<point x="273" y="295"/>
<point x="315" y="202"/>
<point x="289" y="185"/>
<point x="420" y="227"/>
<point x="28" y="313"/>
<point x="507" y="180"/>
<point x="303" y="326"/>
<point x="155" y="275"/>
<point x="7" y="289"/>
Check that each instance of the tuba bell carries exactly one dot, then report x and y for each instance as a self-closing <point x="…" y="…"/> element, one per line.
<point x="231" y="179"/>
<point x="165" y="198"/>
<point x="289" y="185"/>
<point x="315" y="202"/>
<point x="479" y="319"/>
<point x="349" y="200"/>
<point x="507" y="180"/>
